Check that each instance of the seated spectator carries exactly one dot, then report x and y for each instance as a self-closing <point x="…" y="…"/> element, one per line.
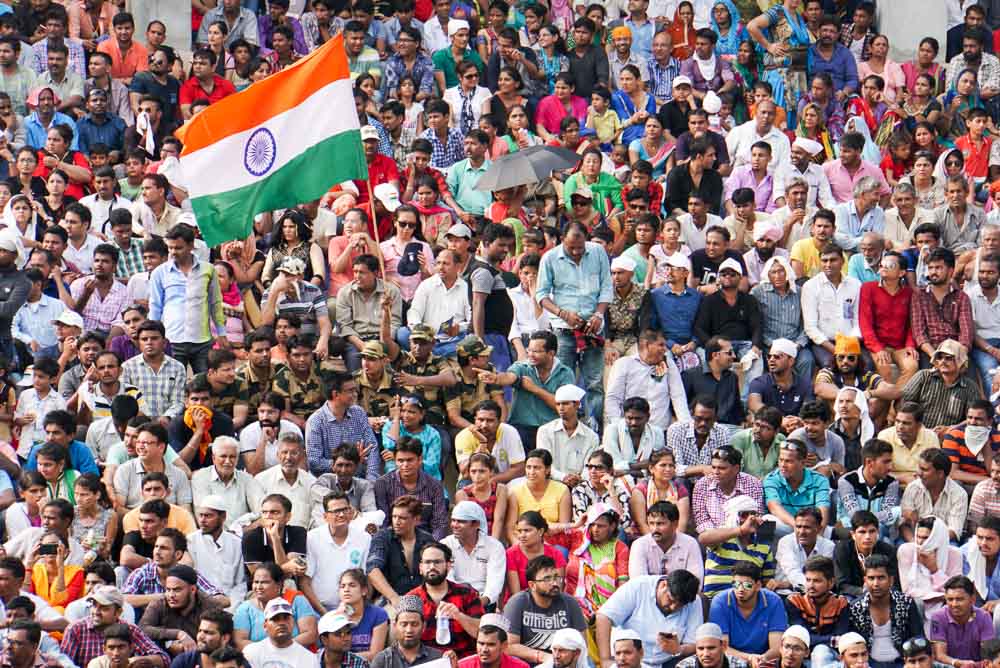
<point x="173" y="620"/>
<point x="442" y="303"/>
<point x="805" y="253"/>
<point x="540" y="493"/>
<point x="148" y="583"/>
<point x="760" y="444"/>
<point x="53" y="464"/>
<point x="632" y="440"/>
<point x="203" y="421"/>
<point x="83" y="640"/>
<point x="780" y="387"/>
<point x="241" y="491"/>
<point x="479" y="560"/>
<point x="409" y="478"/>
<point x="696" y="441"/>
<point x="710" y="650"/>
<point x="934" y="494"/>
<point x="275" y="540"/>
<point x="853" y="554"/>
<point x="360" y="492"/>
<point x="795" y="549"/>
<point x="137" y="546"/>
<point x="568" y="440"/>
<point x="663" y="611"/>
<point x="661" y="485"/>
<point x="985" y="496"/>
<point x="60" y="429"/>
<point x="55" y="581"/>
<point x="391" y="566"/>
<point x="665" y="548"/>
<point x="830" y="305"/>
<point x="268" y="584"/>
<point x="717" y="378"/>
<point x="880" y="598"/>
<point x="216" y="552"/>
<point x="725" y="481"/>
<point x="818" y="609"/>
<point x="909" y="439"/>
<point x="884" y="308"/>
<point x="156" y="485"/>
<point x="642" y="375"/>
<point x="752" y="619"/>
<point x="926" y="563"/>
<point x="967" y="444"/>
<point x="598" y="560"/>
<point x="871" y="488"/>
<point x="151" y="447"/>
<point x="530" y="531"/>
<point x="793" y="487"/>
<point x="850" y="368"/>
<point x="739" y="541"/>
<point x="940" y="311"/>
<point x="539" y="613"/>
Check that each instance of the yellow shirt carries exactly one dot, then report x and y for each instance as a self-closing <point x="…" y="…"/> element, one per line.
<point x="548" y="506"/>
<point x="606" y="125"/>
<point x="805" y="251"/>
<point x="179" y="518"/>
<point x="904" y="459"/>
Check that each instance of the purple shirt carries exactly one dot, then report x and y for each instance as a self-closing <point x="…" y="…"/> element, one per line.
<point x="963" y="640"/>
<point x="265" y="26"/>
<point x="126" y="348"/>
<point x="841" y="67"/>
<point x="842" y="183"/>
<point x="742" y="177"/>
<point x="722" y="74"/>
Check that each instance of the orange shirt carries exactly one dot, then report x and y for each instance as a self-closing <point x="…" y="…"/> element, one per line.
<point x="977" y="159"/>
<point x="124" y="66"/>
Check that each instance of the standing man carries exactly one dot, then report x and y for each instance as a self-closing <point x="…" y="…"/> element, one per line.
<point x="184" y="294"/>
<point x="574" y="284"/>
<point x="14" y="289"/>
<point x="492" y="309"/>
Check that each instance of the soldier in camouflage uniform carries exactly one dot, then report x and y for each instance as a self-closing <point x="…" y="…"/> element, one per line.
<point x="473" y="357"/>
<point x="230" y="391"/>
<point x="421" y="372"/>
<point x="257" y="371"/>
<point x="301" y="381"/>
<point x="376" y="391"/>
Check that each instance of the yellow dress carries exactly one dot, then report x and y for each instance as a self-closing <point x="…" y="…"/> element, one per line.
<point x="548" y="506"/>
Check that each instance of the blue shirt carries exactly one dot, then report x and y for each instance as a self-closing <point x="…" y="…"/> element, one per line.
<point x="841" y="67"/>
<point x="787" y="401"/>
<point x="429" y="438"/>
<point x="992" y="579"/>
<point x="674" y="314"/>
<point x="36" y="133"/>
<point x="575" y="287"/>
<point x="859" y="269"/>
<point x="80" y="458"/>
<point x="749" y="634"/>
<point x="324" y="432"/>
<point x="111" y="133"/>
<point x="462" y="180"/>
<point x="813" y="491"/>
<point x="642" y="37"/>
<point x="445" y="154"/>
<point x="633" y="606"/>
<point x="850" y="227"/>
<point x="250" y="618"/>
<point x="189" y="305"/>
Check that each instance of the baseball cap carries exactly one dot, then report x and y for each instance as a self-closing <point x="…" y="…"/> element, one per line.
<point x="106" y="595"/>
<point x="332" y="622"/>
<point x="681" y="80"/>
<point x="679" y="260"/>
<point x="387" y="194"/>
<point x="70" y="319"/>
<point x="374" y="350"/>
<point x="275" y="607"/>
<point x="292" y="265"/>
<point x="472" y="346"/>
<point x="459" y="230"/>
<point x="732" y="265"/>
<point x="369" y="132"/>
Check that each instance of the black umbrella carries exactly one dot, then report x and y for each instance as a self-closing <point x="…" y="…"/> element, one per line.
<point x="529" y="165"/>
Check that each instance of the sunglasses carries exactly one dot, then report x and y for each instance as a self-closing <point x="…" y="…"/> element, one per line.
<point x="849" y="358"/>
<point x="952" y="163"/>
<point x="412" y="226"/>
<point x="743" y="585"/>
<point x="915" y="644"/>
<point x="944" y="356"/>
<point x="596" y="467"/>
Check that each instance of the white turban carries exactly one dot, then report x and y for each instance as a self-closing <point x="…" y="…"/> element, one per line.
<point x="470" y="511"/>
<point x="785" y="347"/>
<point x="571" y="639"/>
<point x="810" y="146"/>
<point x="736" y="505"/>
<point x="789" y="272"/>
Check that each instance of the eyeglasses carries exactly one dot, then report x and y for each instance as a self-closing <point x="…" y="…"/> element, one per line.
<point x="944" y="356"/>
<point x="471" y="75"/>
<point x="915" y="645"/>
<point x="952" y="163"/>
<point x="596" y="467"/>
<point x="412" y="226"/>
<point x="339" y="511"/>
<point x="550" y="579"/>
<point x="793" y="647"/>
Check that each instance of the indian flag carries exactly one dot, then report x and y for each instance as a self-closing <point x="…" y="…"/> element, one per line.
<point x="281" y="142"/>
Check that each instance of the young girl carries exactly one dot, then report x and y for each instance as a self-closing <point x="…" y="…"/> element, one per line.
<point x="366" y="82"/>
<point x="518" y="135"/>
<point x="641" y="179"/>
<point x="489" y="36"/>
<point x="660" y="486"/>
<point x="260" y="69"/>
<point x="435" y="219"/>
<point x="496" y="146"/>
<point x="92" y="523"/>
<point x="27" y="513"/>
<point x="529" y="534"/>
<point x="414" y="118"/>
<point x="488" y="494"/>
<point x="896" y="162"/>
<point x="602" y="119"/>
<point x="232" y="307"/>
<point x="369" y="623"/>
<point x="409" y="423"/>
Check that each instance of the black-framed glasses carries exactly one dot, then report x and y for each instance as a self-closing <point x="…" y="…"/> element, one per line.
<point x="849" y="358"/>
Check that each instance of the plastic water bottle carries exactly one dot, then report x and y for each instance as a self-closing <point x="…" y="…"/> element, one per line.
<point x="443" y="634"/>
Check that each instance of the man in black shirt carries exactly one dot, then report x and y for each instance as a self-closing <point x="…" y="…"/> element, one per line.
<point x="707" y="263"/>
<point x="587" y="63"/>
<point x="673" y="114"/>
<point x="696" y="176"/>
<point x="697" y="124"/>
<point x="716" y="379"/>
<point x="275" y="540"/>
<point x="137" y="546"/>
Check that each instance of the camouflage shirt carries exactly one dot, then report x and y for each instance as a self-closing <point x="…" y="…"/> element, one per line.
<point x="466" y="394"/>
<point x="375" y="400"/>
<point x="256" y="384"/>
<point x="434" y="397"/>
<point x="305" y="397"/>
<point x="231" y="395"/>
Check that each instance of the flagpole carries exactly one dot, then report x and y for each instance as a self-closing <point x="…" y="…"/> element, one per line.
<point x="371" y="202"/>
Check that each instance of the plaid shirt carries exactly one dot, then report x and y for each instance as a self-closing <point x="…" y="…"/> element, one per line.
<point x="988" y="73"/>
<point x="709" y="501"/>
<point x="445" y="155"/>
<point x="932" y="322"/>
<point x="847" y="37"/>
<point x="144" y="581"/>
<point x="401" y="147"/>
<point x="465" y="599"/>
<point x="77" y="58"/>
<point x="82" y="642"/>
<point x="324" y="432"/>
<point x="661" y="79"/>
<point x="130" y="261"/>
<point x="422" y="74"/>
<point x="348" y="660"/>
<point x="99" y="313"/>
<point x="434" y="518"/>
<point x="164" y="391"/>
<point x="681" y="439"/>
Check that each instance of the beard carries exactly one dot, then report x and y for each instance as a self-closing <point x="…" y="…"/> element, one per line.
<point x="435" y="578"/>
<point x="765" y="254"/>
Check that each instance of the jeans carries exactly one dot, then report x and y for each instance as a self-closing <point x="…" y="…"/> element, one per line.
<point x="591" y="371"/>
<point x="741" y="348"/>
<point x="805" y="363"/>
<point x="985" y="364"/>
<point x="195" y="354"/>
<point x="500" y="358"/>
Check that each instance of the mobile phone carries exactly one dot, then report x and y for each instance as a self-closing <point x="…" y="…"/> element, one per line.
<point x="765" y="532"/>
<point x="48" y="549"/>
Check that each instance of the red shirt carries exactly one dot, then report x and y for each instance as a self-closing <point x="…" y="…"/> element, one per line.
<point x="465" y="599"/>
<point x="73" y="189"/>
<point x="381" y="170"/>
<point x="891" y="328"/>
<point x="191" y="90"/>
<point x="506" y="661"/>
<point x="977" y="160"/>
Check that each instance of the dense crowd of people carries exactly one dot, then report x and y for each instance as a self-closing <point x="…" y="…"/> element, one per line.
<point x="723" y="393"/>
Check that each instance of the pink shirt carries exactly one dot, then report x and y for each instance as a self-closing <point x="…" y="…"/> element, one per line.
<point x="551" y="111"/>
<point x="392" y="254"/>
<point x="892" y="74"/>
<point x="336" y="247"/>
<point x="842" y="184"/>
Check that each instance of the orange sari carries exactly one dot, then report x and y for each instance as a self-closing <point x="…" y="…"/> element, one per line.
<point x="682" y="38"/>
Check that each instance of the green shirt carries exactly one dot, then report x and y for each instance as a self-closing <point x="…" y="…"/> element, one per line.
<point x="607" y="187"/>
<point x="462" y="180"/>
<point x="754" y="461"/>
<point x="527" y="410"/>
<point x="445" y="62"/>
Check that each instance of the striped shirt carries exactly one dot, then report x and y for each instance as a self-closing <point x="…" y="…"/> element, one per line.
<point x="33" y="321"/>
<point x="308" y="304"/>
<point x="709" y="501"/>
<point x="780" y="315"/>
<point x="661" y="79"/>
<point x="189" y="305"/>
<point x="953" y="443"/>
<point x="719" y="562"/>
<point x="324" y="432"/>
<point x="985" y="502"/>
<point x="943" y="405"/>
<point x="681" y="439"/>
<point x="130" y="261"/>
<point x="98" y="313"/>
<point x="163" y="390"/>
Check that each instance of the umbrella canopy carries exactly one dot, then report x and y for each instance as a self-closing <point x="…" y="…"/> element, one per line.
<point x="526" y="166"/>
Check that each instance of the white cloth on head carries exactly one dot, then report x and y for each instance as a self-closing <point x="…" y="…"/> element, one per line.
<point x="977" y="571"/>
<point x="142" y="127"/>
<point x="937" y="543"/>
<point x="571" y="639"/>
<point x="570" y="393"/>
<point x="789" y="272"/>
<point x="810" y="146"/>
<point x="785" y="347"/>
<point x="736" y="505"/>
<point x="867" y="426"/>
<point x="470" y="511"/>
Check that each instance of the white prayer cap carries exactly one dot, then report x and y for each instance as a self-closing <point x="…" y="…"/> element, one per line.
<point x="568" y="639"/>
<point x="810" y="146"/>
<point x="799" y="633"/>
<point x="618" y="633"/>
<point x="623" y="263"/>
<point x="785" y="347"/>
<point x="850" y="639"/>
<point x="711" y="103"/>
<point x="569" y="393"/>
<point x="454" y="25"/>
<point x="709" y="630"/>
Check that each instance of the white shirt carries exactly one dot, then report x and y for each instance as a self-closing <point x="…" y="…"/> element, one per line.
<point x="250" y="438"/>
<point x="985" y="313"/>
<point x="434" y="304"/>
<point x="484" y="569"/>
<point x="691" y="235"/>
<point x="631" y="377"/>
<point x="102" y="436"/>
<point x="743" y="137"/>
<point x="221" y="562"/>
<point x="273" y="481"/>
<point x="453" y="97"/>
<point x="29" y="402"/>
<point x="791" y="558"/>
<point x="525" y="321"/>
<point x="242" y="494"/>
<point x="819" y="185"/>
<point x="100" y="209"/>
<point x="82" y="257"/>
<point x="800" y="230"/>
<point x="263" y="654"/>
<point x="137" y="289"/>
<point x="507" y="449"/>
<point x="435" y="38"/>
<point x="829" y="310"/>
<point x="326" y="560"/>
<point x="569" y="451"/>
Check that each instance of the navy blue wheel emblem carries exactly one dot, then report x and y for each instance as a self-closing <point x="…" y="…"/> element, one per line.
<point x="260" y="152"/>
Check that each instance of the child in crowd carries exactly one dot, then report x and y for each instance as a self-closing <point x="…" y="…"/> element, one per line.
<point x="602" y="119"/>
